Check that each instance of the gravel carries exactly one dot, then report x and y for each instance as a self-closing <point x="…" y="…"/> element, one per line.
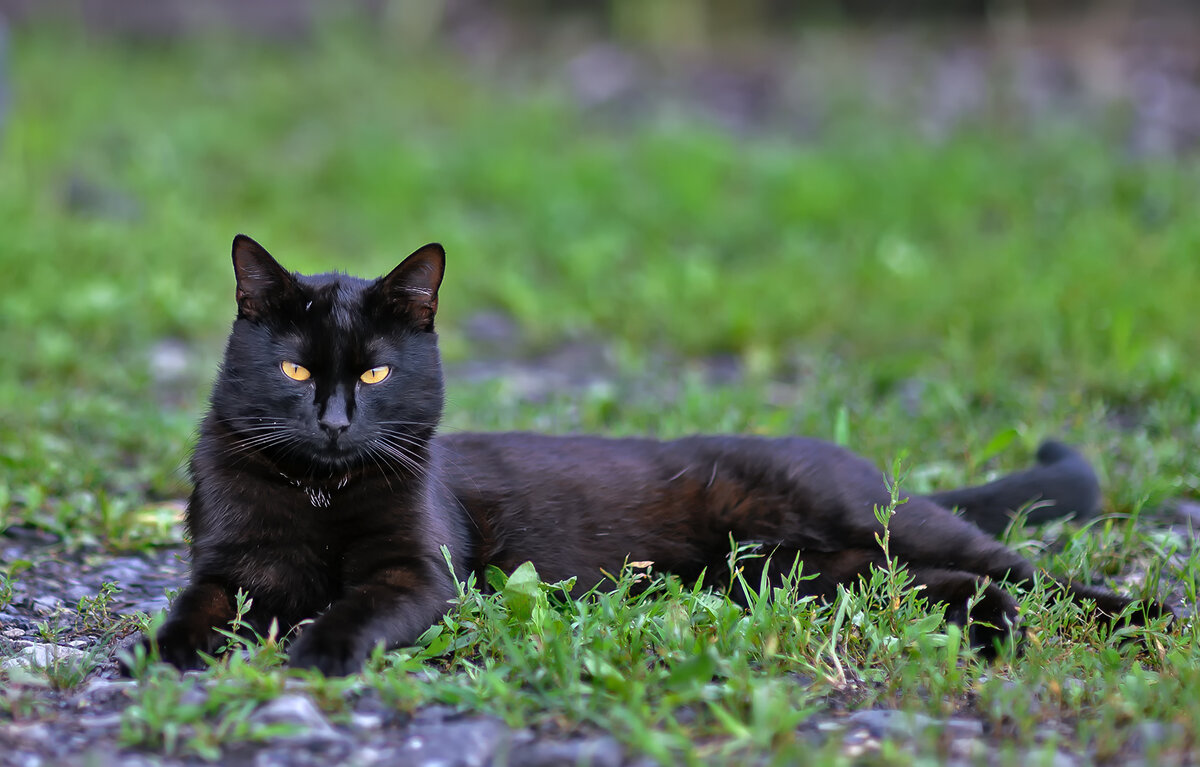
<point x="81" y="723"/>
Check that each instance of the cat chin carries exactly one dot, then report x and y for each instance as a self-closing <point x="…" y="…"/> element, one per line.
<point x="322" y="470"/>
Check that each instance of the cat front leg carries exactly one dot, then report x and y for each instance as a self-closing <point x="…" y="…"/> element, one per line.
<point x="394" y="607"/>
<point x="189" y="628"/>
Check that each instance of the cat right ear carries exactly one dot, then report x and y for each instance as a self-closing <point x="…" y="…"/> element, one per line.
<point x="411" y="289"/>
<point x="261" y="282"/>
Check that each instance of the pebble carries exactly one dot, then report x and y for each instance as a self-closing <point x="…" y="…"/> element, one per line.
<point x="366" y="721"/>
<point x="124" y="570"/>
<point x="301" y="713"/>
<point x="42" y="655"/>
<point x="13" y="633"/>
<point x="100" y="722"/>
<point x="884" y="722"/>
<point x="48" y="604"/>
<point x="98" y="688"/>
<point x="890" y="722"/>
<point x="593" y="752"/>
<point x="465" y="743"/>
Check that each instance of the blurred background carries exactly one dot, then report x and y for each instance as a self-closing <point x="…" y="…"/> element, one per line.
<point x="945" y="225"/>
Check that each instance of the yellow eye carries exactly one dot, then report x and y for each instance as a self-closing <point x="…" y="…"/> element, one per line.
<point x="375" y="375"/>
<point x="294" y="371"/>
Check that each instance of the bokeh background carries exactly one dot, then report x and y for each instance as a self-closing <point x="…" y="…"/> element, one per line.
<point x="937" y="229"/>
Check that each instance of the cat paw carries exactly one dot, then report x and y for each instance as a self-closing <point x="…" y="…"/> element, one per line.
<point x="992" y="622"/>
<point x="177" y="644"/>
<point x="332" y="653"/>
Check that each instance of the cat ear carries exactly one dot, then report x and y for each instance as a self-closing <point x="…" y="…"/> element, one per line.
<point x="261" y="282"/>
<point x="411" y="288"/>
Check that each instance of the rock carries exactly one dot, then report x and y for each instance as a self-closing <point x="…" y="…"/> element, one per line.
<point x="885" y="722"/>
<point x="101" y="722"/>
<point x="1189" y="511"/>
<point x="42" y="655"/>
<point x="1061" y="759"/>
<point x="301" y="714"/>
<point x="889" y="723"/>
<point x="47" y="604"/>
<point x="466" y="743"/>
<point x="593" y="752"/>
<point x="959" y="727"/>
<point x="13" y="633"/>
<point x="1144" y="737"/>
<point x="98" y="690"/>
<point x="436" y="714"/>
<point x="319" y="753"/>
<point x="124" y="570"/>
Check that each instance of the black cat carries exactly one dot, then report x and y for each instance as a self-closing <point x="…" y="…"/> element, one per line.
<point x="322" y="491"/>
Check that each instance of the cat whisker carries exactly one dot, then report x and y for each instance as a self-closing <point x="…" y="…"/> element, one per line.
<point x="383" y="466"/>
<point x="258" y="442"/>
<point x="403" y="459"/>
<point x="448" y="452"/>
<point x="402" y="455"/>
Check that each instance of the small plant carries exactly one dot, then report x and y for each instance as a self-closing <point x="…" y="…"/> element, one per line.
<point x="6" y="589"/>
<point x="8" y="580"/>
<point x="180" y="717"/>
<point x="93" y="613"/>
<point x="68" y="671"/>
<point x="48" y="632"/>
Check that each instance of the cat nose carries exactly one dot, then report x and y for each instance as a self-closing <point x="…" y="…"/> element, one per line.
<point x="334" y="428"/>
<point x="334" y="419"/>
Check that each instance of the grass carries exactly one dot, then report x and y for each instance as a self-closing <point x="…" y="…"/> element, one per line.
<point x="946" y="304"/>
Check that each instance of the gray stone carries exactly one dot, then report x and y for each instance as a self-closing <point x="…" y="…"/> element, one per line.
<point x="101" y="721"/>
<point x="47" y="604"/>
<point x="465" y="743"/>
<point x="124" y="570"/>
<point x="886" y="722"/>
<point x="1060" y="759"/>
<point x="889" y="723"/>
<point x="960" y="727"/>
<point x="593" y="752"/>
<point x="98" y="690"/>
<point x="298" y="712"/>
<point x="1188" y="511"/>
<point x="43" y="655"/>
<point x="1149" y="736"/>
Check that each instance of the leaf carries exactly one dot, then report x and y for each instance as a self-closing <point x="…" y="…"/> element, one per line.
<point x="997" y="444"/>
<point x="496" y="578"/>
<point x="522" y="591"/>
<point x="841" y="427"/>
<point x="698" y="669"/>
<point x="435" y="640"/>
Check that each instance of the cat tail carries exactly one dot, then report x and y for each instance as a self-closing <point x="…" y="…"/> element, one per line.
<point x="1062" y="482"/>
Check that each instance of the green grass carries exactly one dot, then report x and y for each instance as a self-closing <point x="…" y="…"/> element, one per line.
<point x="945" y="303"/>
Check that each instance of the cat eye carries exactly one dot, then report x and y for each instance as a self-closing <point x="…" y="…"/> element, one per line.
<point x="294" y="371"/>
<point x="375" y="375"/>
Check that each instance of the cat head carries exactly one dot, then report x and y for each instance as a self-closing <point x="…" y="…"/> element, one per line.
<point x="328" y="374"/>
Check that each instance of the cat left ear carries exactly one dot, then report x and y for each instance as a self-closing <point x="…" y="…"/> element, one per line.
<point x="261" y="282"/>
<point x="411" y="288"/>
